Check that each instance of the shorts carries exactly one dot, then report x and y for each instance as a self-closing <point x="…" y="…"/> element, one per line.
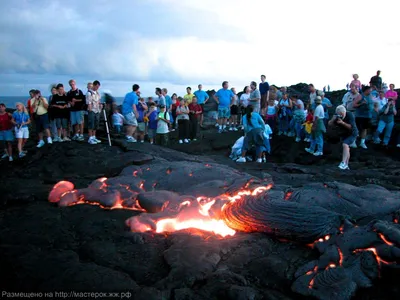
<point x="224" y="112"/>
<point x="141" y="127"/>
<point x="130" y="119"/>
<point x="202" y="107"/>
<point x="42" y="122"/>
<point x="77" y="117"/>
<point x="151" y="133"/>
<point x="61" y="123"/>
<point x="363" y="123"/>
<point x="93" y="120"/>
<point x="6" y="135"/>
<point x="349" y="140"/>
<point x="22" y="133"/>
<point x="234" y="110"/>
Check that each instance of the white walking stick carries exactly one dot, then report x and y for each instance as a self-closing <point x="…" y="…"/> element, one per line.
<point x="108" y="131"/>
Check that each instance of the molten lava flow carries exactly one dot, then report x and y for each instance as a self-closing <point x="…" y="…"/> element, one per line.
<point x="377" y="257"/>
<point x="385" y="240"/>
<point x="196" y="215"/>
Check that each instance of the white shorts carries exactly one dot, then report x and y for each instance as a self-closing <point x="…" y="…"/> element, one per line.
<point x="22" y="133"/>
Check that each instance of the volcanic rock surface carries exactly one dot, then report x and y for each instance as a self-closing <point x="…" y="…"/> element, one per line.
<point x="308" y="234"/>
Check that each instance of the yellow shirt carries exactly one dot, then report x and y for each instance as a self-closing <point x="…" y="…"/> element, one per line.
<point x="188" y="98"/>
<point x="39" y="108"/>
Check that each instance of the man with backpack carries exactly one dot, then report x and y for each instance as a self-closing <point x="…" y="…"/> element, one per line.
<point x="77" y="101"/>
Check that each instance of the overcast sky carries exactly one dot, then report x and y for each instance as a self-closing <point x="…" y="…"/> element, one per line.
<point x="171" y="43"/>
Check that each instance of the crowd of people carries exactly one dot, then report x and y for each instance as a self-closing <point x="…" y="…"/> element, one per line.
<point x="367" y="112"/>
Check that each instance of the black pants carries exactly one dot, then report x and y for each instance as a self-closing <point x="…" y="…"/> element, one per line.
<point x="162" y="139"/>
<point x="183" y="129"/>
<point x="194" y="125"/>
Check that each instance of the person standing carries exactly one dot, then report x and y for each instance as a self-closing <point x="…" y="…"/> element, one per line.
<point x="161" y="99"/>
<point x="130" y="113"/>
<point x="234" y="111"/>
<point x="386" y="122"/>
<point x="53" y="125"/>
<point x="40" y="107"/>
<point x="195" y="111"/>
<point x="363" y="113"/>
<point x="313" y="95"/>
<point x="326" y="104"/>
<point x="162" y="133"/>
<point x="77" y="102"/>
<point x="202" y="98"/>
<point x="168" y="100"/>
<point x="376" y="81"/>
<point x="255" y="97"/>
<point x="93" y="99"/>
<point x="29" y="103"/>
<point x="6" y="134"/>
<point x="189" y="96"/>
<point x="345" y="123"/>
<point x="224" y="98"/>
<point x="60" y="111"/>
<point x="182" y="116"/>
<point x="21" y="119"/>
<point x="317" y="138"/>
<point x="391" y="94"/>
<point x="264" y="91"/>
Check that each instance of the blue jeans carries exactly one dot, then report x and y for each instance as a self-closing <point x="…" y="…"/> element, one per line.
<point x="118" y="128"/>
<point x="298" y="129"/>
<point x="284" y="124"/>
<point x="388" y="127"/>
<point x="317" y="141"/>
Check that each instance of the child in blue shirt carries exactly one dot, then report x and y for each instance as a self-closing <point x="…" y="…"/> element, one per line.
<point x="152" y="115"/>
<point x="21" y="119"/>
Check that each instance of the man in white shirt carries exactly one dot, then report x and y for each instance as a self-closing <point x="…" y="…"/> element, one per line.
<point x="317" y="138"/>
<point x="381" y="100"/>
<point x="313" y="95"/>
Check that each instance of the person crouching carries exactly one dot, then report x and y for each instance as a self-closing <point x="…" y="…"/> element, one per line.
<point x="318" y="129"/>
<point x="345" y="123"/>
<point x="162" y="136"/>
<point x="254" y="128"/>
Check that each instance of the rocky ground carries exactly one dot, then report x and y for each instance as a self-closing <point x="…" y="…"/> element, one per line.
<point x="47" y="248"/>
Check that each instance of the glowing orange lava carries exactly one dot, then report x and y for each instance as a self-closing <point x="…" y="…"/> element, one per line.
<point x="385" y="240"/>
<point x="373" y="250"/>
<point x="197" y="216"/>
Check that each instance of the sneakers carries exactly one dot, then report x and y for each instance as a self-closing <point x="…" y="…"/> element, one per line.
<point x="75" y="137"/>
<point x="398" y="146"/>
<point x="57" y="139"/>
<point x="264" y="160"/>
<point x="142" y="141"/>
<point x="40" y="144"/>
<point x="235" y="129"/>
<point x="377" y="141"/>
<point x="362" y="145"/>
<point x="230" y="128"/>
<point x="298" y="139"/>
<point x="307" y="140"/>
<point x="194" y="140"/>
<point x="353" y="145"/>
<point x="309" y="150"/>
<point x="186" y="141"/>
<point x="129" y="139"/>
<point x="241" y="160"/>
<point x="180" y="142"/>
<point x="318" y="153"/>
<point x="22" y="154"/>
<point x="220" y="130"/>
<point x="66" y="139"/>
<point x="343" y="166"/>
<point x="10" y="158"/>
<point x="5" y="155"/>
<point x="216" y="125"/>
<point x="80" y="138"/>
<point x="98" y="141"/>
<point x="49" y="140"/>
<point x="259" y="160"/>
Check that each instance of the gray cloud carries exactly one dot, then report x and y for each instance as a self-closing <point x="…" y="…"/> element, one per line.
<point x="96" y="38"/>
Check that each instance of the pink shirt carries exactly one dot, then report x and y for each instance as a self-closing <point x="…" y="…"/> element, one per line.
<point x="391" y="94"/>
<point x="357" y="83"/>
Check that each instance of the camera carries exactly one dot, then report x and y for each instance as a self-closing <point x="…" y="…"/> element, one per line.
<point x="338" y="117"/>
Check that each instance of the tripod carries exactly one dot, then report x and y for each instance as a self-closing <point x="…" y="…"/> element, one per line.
<point x="106" y="121"/>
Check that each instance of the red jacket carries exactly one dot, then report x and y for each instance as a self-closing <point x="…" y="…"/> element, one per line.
<point x="196" y="108"/>
<point x="310" y="118"/>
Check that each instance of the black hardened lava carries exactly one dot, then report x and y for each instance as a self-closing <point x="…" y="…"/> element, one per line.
<point x="355" y="230"/>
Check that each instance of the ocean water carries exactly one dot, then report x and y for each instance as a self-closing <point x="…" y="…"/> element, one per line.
<point x="10" y="101"/>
